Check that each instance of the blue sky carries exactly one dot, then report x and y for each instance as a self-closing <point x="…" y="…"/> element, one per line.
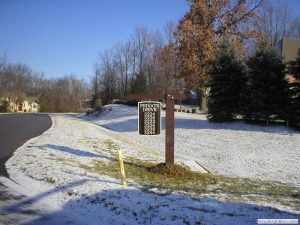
<point x="60" y="37"/>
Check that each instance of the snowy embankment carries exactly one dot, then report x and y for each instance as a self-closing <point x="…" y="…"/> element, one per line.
<point x="53" y="170"/>
<point x="233" y="149"/>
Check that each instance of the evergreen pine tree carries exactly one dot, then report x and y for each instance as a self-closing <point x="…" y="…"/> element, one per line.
<point x="294" y="109"/>
<point x="267" y="86"/>
<point x="226" y="85"/>
<point x="294" y="68"/>
<point x="96" y="102"/>
<point x="139" y="84"/>
<point x="4" y="106"/>
<point x="294" y="106"/>
<point x="44" y="106"/>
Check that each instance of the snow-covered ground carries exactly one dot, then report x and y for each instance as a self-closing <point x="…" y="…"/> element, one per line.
<point x="51" y="169"/>
<point x="233" y="149"/>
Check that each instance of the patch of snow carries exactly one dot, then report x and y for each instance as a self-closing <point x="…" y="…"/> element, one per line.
<point x="233" y="149"/>
<point x="16" y="208"/>
<point x="53" y="170"/>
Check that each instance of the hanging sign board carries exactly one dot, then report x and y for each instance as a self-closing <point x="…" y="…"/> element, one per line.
<point x="149" y="118"/>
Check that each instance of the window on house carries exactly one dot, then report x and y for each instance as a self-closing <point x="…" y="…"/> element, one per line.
<point x="34" y="106"/>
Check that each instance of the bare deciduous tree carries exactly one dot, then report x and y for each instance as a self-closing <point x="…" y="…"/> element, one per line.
<point x="275" y="20"/>
<point x="57" y="95"/>
<point x="146" y="62"/>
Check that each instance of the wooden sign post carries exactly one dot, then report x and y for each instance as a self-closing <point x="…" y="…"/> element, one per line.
<point x="169" y="98"/>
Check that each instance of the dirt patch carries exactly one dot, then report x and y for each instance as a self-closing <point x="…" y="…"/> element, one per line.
<point x="170" y="170"/>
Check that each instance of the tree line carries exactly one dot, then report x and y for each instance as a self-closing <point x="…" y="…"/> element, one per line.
<point x="64" y="94"/>
<point x="228" y="46"/>
<point x="255" y="89"/>
<point x="144" y="63"/>
<point x="181" y="57"/>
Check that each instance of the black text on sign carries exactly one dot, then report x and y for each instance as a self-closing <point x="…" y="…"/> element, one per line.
<point x="149" y="118"/>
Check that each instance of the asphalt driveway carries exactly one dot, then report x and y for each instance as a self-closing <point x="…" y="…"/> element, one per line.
<point x="16" y="129"/>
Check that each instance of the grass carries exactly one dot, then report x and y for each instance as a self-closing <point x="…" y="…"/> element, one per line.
<point x="236" y="189"/>
<point x="60" y="159"/>
<point x="151" y="175"/>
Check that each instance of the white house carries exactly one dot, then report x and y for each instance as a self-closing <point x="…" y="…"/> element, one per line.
<point x="19" y="102"/>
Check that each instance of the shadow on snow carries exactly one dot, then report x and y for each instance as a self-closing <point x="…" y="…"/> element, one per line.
<point x="131" y="125"/>
<point x="122" y="206"/>
<point x="73" y="151"/>
<point x="194" y="122"/>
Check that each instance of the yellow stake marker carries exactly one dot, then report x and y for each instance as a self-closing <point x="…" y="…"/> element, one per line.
<point x="122" y="169"/>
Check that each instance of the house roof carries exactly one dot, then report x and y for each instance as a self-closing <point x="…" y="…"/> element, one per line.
<point x="12" y="94"/>
<point x="31" y="100"/>
<point x="19" y="96"/>
<point x="5" y="94"/>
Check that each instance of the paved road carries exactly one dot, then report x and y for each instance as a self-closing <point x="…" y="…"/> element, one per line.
<point x="16" y="129"/>
<point x="15" y="207"/>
